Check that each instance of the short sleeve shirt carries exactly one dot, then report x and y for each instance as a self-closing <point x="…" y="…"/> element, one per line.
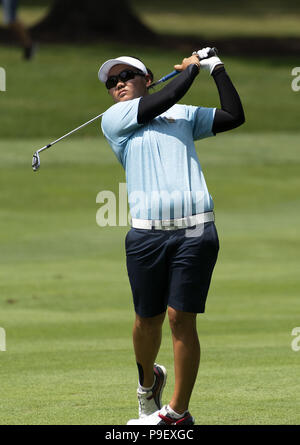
<point x="163" y="173"/>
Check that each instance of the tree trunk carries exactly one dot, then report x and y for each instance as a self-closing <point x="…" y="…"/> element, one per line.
<point x="92" y="20"/>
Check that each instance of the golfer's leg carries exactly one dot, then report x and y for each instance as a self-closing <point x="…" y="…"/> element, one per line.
<point x="21" y="32"/>
<point x="186" y="348"/>
<point x="146" y="340"/>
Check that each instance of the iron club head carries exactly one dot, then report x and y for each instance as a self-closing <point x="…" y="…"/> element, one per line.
<point x="35" y="161"/>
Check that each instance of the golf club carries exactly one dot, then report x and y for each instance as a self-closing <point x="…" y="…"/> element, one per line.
<point x="36" y="162"/>
<point x="212" y="52"/>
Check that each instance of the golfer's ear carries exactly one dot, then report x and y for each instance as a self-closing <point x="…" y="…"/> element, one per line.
<point x="149" y="80"/>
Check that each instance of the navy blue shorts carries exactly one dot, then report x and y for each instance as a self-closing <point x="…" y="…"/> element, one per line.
<point x="9" y="11"/>
<point x="171" y="268"/>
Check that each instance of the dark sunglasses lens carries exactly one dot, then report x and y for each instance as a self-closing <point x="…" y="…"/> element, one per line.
<point x="111" y="82"/>
<point x="126" y="75"/>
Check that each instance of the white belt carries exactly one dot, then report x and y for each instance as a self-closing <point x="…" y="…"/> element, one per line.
<point x="173" y="224"/>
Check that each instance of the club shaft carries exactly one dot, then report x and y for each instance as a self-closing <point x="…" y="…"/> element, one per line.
<point x="70" y="132"/>
<point x="212" y="52"/>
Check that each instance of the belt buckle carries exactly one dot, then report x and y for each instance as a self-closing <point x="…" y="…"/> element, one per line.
<point x="167" y="224"/>
<point x="173" y="224"/>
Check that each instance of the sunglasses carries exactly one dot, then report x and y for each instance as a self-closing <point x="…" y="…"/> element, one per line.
<point x="124" y="76"/>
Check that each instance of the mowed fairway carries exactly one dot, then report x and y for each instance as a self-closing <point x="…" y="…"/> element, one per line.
<point x="66" y="303"/>
<point x="65" y="300"/>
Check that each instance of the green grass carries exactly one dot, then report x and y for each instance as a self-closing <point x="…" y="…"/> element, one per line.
<point x="60" y="90"/>
<point x="212" y="26"/>
<point x="65" y="299"/>
<point x="230" y="18"/>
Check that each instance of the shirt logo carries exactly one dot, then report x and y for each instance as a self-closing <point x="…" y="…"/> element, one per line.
<point x="171" y="120"/>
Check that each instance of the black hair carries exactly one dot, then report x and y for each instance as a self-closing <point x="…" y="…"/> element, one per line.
<point x="148" y="69"/>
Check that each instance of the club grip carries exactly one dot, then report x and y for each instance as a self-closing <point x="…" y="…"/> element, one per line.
<point x="212" y="52"/>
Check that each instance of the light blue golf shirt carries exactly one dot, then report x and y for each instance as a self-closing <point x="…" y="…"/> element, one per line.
<point x="163" y="173"/>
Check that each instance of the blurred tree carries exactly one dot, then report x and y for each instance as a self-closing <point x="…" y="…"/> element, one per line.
<point x="79" y="20"/>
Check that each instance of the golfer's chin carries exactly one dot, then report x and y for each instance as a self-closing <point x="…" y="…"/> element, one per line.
<point x="124" y="96"/>
<point x="127" y="95"/>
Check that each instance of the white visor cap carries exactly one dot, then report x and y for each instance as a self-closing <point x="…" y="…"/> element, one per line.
<point x="126" y="60"/>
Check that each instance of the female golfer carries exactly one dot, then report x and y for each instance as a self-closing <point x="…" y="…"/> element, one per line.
<point x="172" y="246"/>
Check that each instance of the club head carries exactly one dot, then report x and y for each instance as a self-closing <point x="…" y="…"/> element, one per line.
<point x="35" y="161"/>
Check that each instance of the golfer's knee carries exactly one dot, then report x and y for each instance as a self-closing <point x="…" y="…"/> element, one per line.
<point x="181" y="322"/>
<point x="149" y="325"/>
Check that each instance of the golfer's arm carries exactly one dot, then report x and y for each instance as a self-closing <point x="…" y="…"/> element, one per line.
<point x="231" y="114"/>
<point x="154" y="104"/>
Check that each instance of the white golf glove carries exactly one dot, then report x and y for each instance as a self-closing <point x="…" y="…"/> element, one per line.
<point x="210" y="63"/>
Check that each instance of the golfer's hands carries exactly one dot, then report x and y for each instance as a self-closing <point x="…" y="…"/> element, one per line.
<point x="210" y="63"/>
<point x="193" y="60"/>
